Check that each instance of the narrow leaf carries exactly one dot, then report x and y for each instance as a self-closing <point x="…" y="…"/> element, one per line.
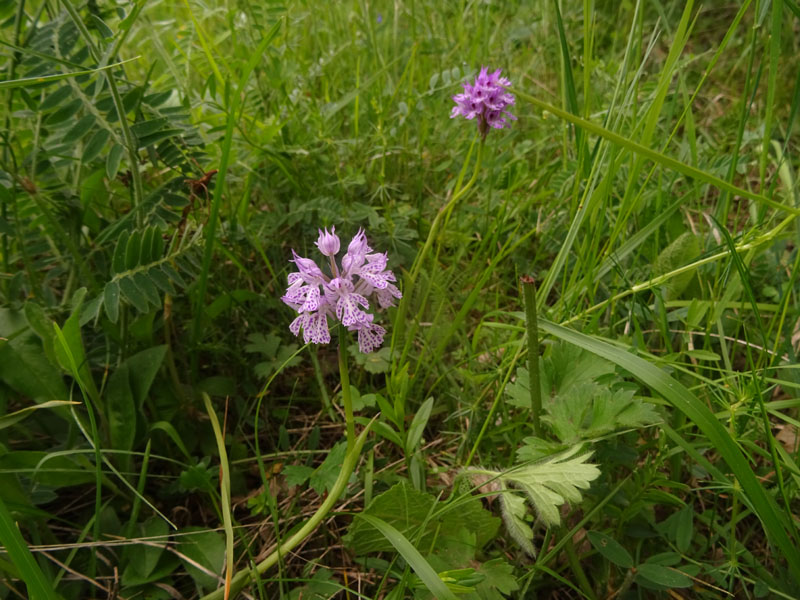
<point x="111" y="300"/>
<point x="39" y="587"/>
<point x="412" y="556"/>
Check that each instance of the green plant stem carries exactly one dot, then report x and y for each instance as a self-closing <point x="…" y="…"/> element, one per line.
<point x="442" y="216"/>
<point x="577" y="569"/>
<point x="245" y="576"/>
<point x="347" y="399"/>
<point x="323" y="391"/>
<point x="224" y="491"/>
<point x="531" y="322"/>
<point x="661" y="279"/>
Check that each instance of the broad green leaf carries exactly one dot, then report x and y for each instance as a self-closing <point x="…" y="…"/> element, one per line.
<point x="145" y="245"/>
<point x="43" y="326"/>
<point x="453" y="552"/>
<point x="418" y="424"/>
<point x="415" y="514"/>
<point x="64" y="113"/>
<point x="95" y="144"/>
<point x="173" y="275"/>
<point x="325" y="475"/>
<point x="206" y="548"/>
<point x="296" y="474"/>
<point x="69" y="349"/>
<point x="568" y="366"/>
<point x="161" y="280"/>
<point x="685" y="531"/>
<point x="143" y="368"/>
<point x="662" y="576"/>
<point x="24" y="368"/>
<point x="144" y="557"/>
<point x="102" y="28"/>
<point x="611" y="549"/>
<point x="563" y="368"/>
<point x="374" y="362"/>
<point x="132" y="250"/>
<point x="145" y="128"/>
<point x="518" y="391"/>
<point x="590" y="411"/>
<point x="499" y="579"/>
<point x="156" y="246"/>
<point x="121" y="409"/>
<point x="154" y="138"/>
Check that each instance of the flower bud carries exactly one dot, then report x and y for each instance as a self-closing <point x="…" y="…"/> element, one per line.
<point x="328" y="243"/>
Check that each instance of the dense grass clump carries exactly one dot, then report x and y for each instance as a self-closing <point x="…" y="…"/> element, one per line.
<point x="548" y="350"/>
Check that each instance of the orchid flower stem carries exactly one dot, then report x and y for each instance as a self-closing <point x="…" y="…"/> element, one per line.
<point x="529" y="293"/>
<point x="347" y="399"/>
<point x="444" y="212"/>
<point x="459" y="191"/>
<point x="246" y="576"/>
<point x="443" y="215"/>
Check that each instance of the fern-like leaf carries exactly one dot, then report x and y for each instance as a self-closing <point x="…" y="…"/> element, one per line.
<point x="548" y="484"/>
<point x="554" y="481"/>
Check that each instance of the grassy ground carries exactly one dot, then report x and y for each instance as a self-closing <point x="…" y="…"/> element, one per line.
<point x="166" y="436"/>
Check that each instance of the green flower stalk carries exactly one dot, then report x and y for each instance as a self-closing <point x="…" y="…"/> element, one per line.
<point x="532" y="324"/>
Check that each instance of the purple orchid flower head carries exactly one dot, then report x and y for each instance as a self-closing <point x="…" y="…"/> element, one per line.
<point x="344" y="294"/>
<point x="485" y="99"/>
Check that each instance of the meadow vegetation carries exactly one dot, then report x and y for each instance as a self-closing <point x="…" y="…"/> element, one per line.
<point x="584" y="385"/>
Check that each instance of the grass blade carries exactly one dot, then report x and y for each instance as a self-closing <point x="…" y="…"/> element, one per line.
<point x="39" y="588"/>
<point x="655" y="155"/>
<point x="224" y="491"/>
<point x="30" y="81"/>
<point x="18" y="415"/>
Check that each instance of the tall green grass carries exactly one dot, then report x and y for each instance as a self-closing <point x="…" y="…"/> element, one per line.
<point x="161" y="160"/>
